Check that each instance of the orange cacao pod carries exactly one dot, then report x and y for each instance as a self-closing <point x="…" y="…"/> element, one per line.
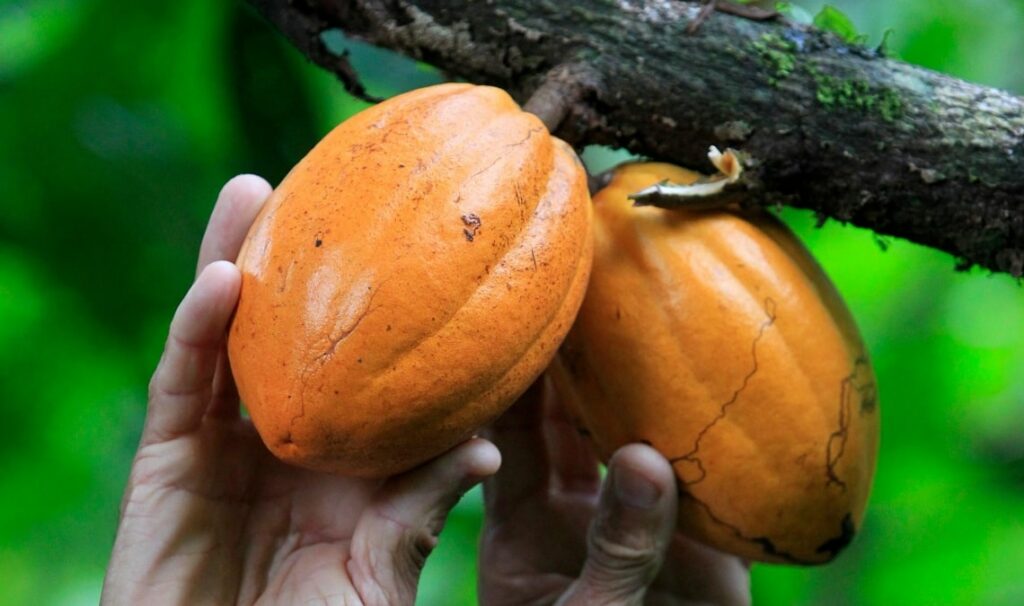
<point x="408" y="279"/>
<point x="715" y="337"/>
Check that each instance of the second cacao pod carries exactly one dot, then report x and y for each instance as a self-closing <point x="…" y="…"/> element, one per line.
<point x="715" y="337"/>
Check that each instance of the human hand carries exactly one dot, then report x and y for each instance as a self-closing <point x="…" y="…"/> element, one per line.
<point x="554" y="535"/>
<point x="211" y="517"/>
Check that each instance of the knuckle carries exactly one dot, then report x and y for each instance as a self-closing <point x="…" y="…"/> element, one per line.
<point x="414" y="544"/>
<point x="419" y="547"/>
<point x="620" y="559"/>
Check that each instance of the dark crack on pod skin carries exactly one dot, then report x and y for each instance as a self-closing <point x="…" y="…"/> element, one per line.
<point x="831" y="546"/>
<point x="321" y="359"/>
<point x="839" y="542"/>
<point x="835" y="446"/>
<point x="766" y="544"/>
<point x="691" y="456"/>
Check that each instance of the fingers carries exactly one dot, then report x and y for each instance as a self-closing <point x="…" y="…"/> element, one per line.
<point x="631" y="531"/>
<point x="224" y="401"/>
<point x="519" y="435"/>
<point x="699" y="574"/>
<point x="574" y="465"/>
<point x="181" y="387"/>
<point x="400" y="528"/>
<point x="542" y="454"/>
<point x="239" y="202"/>
<point x="237" y="205"/>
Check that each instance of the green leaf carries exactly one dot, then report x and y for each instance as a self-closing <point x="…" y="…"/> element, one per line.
<point x="834" y="20"/>
<point x="794" y="12"/>
<point x="883" y="46"/>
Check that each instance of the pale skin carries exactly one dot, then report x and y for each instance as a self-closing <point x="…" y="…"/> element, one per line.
<point x="209" y="516"/>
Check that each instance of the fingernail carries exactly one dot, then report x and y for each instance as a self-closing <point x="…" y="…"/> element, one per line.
<point x="635" y="490"/>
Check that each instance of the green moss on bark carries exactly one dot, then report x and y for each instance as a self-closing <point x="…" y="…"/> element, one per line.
<point x="857" y="94"/>
<point x="777" y="55"/>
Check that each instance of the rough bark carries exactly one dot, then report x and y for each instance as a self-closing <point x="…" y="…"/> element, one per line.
<point x="823" y="125"/>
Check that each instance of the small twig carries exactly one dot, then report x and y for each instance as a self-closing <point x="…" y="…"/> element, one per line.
<point x="669" y="196"/>
<point x="304" y="23"/>
<point x="563" y="87"/>
<point x="705" y="193"/>
<point x="350" y="78"/>
<point x="747" y="11"/>
<point x="702" y="16"/>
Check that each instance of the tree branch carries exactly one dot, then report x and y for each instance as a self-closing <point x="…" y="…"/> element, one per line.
<point x="823" y="125"/>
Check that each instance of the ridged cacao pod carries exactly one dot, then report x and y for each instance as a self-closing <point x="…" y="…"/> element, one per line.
<point x="715" y="337"/>
<point x="408" y="279"/>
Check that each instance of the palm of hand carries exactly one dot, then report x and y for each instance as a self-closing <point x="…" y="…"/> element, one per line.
<point x="553" y="539"/>
<point x="280" y="533"/>
<point x="211" y="517"/>
<point x="530" y="564"/>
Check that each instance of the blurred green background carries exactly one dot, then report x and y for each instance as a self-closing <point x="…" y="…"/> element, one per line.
<point x="119" y="121"/>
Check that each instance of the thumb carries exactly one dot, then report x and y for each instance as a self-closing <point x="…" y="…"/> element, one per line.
<point x="631" y="531"/>
<point x="400" y="527"/>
